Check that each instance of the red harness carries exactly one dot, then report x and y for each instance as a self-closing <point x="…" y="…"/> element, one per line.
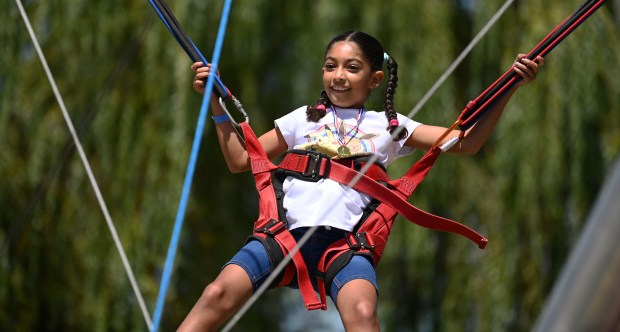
<point x="369" y="237"/>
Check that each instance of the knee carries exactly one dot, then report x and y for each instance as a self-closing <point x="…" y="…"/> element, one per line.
<point x="365" y="311"/>
<point x="360" y="316"/>
<point x="213" y="296"/>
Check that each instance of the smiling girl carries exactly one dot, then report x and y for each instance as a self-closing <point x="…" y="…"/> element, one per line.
<point x="338" y="126"/>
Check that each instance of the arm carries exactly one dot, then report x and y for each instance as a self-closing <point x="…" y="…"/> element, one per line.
<point x="425" y="136"/>
<point x="231" y="144"/>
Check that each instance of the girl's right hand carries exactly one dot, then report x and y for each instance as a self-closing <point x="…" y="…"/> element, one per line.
<point x="202" y="73"/>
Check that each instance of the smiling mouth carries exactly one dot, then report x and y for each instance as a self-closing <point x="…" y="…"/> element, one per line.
<point x="340" y="88"/>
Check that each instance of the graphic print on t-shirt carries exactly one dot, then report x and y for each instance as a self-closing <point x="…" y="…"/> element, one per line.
<point x="326" y="140"/>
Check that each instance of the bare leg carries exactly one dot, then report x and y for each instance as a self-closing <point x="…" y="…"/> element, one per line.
<point x="357" y="305"/>
<point x="219" y="301"/>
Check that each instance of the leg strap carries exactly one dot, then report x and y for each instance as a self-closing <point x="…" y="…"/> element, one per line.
<point x="279" y="232"/>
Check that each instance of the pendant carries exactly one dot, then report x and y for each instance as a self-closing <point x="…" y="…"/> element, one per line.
<point x="344" y="151"/>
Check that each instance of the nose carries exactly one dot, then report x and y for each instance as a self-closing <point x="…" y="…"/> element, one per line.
<point x="339" y="75"/>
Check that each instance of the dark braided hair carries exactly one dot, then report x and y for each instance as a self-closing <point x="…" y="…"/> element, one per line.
<point x="373" y="51"/>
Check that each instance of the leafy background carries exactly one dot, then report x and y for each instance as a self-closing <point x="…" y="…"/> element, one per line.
<point x="127" y="86"/>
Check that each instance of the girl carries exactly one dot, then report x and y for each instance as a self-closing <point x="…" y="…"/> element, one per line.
<point x="339" y="126"/>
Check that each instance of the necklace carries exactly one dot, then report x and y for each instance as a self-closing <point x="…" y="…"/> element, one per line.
<point x="343" y="149"/>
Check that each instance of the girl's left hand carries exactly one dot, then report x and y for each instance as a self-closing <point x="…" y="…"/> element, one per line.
<point x="527" y="68"/>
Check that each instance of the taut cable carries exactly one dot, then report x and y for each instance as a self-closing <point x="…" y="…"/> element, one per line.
<point x="86" y="164"/>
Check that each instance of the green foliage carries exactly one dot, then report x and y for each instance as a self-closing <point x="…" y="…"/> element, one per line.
<point x="127" y="86"/>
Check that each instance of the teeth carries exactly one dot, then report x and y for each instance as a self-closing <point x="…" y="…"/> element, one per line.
<point x="339" y="88"/>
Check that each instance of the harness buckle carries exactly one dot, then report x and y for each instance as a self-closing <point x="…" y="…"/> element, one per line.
<point x="315" y="163"/>
<point x="272" y="228"/>
<point x="360" y="241"/>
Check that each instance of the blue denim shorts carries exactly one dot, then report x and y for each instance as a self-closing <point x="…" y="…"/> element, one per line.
<point x="253" y="258"/>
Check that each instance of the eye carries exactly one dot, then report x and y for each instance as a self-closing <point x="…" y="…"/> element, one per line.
<point x="353" y="68"/>
<point x="329" y="66"/>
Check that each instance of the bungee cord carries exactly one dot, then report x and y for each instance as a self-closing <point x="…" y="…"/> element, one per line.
<point x="170" y="21"/>
<point x="87" y="167"/>
<point x="178" y="225"/>
<point x="475" y="109"/>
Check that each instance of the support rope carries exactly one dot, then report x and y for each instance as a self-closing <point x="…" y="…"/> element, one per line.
<point x="174" y="242"/>
<point x="86" y="164"/>
<point x="460" y="58"/>
<point x="67" y="151"/>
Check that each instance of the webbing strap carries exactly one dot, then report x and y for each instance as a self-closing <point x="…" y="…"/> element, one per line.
<point x="475" y="109"/>
<point x="331" y="253"/>
<point x="268" y="209"/>
<point x="315" y="166"/>
<point x="370" y="187"/>
<point x="343" y="173"/>
<point x="306" y="289"/>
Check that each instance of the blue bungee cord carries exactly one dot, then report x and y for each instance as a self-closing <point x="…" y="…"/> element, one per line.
<point x="172" y="249"/>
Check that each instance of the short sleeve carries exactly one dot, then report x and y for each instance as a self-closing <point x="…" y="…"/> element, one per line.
<point x="411" y="126"/>
<point x="289" y="123"/>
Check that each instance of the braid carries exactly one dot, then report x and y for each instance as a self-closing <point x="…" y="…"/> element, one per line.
<point x="317" y="111"/>
<point x="390" y="113"/>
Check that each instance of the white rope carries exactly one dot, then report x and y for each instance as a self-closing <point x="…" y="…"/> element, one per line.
<point x="272" y="276"/>
<point x="459" y="59"/>
<point x="437" y="84"/>
<point x="91" y="177"/>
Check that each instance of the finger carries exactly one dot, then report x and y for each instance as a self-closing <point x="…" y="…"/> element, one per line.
<point x="530" y="66"/>
<point x="196" y="65"/>
<point x="525" y="72"/>
<point x="199" y="86"/>
<point x="203" y="71"/>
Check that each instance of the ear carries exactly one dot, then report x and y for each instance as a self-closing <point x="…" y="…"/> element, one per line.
<point x="376" y="79"/>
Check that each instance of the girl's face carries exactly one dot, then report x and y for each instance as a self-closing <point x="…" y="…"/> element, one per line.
<point x="347" y="76"/>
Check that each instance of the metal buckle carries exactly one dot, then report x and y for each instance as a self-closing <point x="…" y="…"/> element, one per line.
<point x="314" y="166"/>
<point x="272" y="228"/>
<point x="362" y="241"/>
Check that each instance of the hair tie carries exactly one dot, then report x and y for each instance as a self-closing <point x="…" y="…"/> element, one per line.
<point x="394" y="123"/>
<point x="320" y="107"/>
<point x="386" y="57"/>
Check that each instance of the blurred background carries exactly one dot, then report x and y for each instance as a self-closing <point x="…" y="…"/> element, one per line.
<point x="127" y="86"/>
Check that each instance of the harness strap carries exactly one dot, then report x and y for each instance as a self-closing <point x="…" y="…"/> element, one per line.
<point x="334" y="251"/>
<point x="370" y="187"/>
<point x="268" y="209"/>
<point x="343" y="174"/>
<point x="285" y="238"/>
<point x="314" y="165"/>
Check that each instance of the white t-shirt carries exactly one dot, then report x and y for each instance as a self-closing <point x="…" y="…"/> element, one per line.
<point x="326" y="202"/>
